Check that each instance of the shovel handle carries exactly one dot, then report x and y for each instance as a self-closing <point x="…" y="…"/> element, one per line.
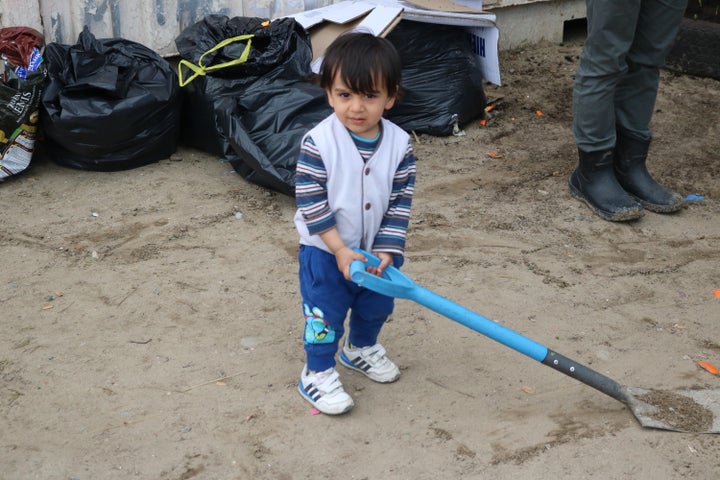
<point x="394" y="283"/>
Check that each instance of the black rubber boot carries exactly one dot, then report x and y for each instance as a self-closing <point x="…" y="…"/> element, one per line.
<point x="633" y="176"/>
<point x="594" y="182"/>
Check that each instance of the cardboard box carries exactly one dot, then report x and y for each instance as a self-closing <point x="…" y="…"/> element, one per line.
<point x="381" y="16"/>
<point x="327" y="23"/>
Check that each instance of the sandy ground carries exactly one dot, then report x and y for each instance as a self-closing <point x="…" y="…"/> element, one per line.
<point x="151" y="321"/>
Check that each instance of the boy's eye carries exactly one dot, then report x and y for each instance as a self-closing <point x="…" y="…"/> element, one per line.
<point x="370" y="95"/>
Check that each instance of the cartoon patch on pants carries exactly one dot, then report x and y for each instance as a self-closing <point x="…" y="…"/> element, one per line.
<point x="317" y="330"/>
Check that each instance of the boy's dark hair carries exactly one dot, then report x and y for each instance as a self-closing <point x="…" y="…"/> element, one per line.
<point x="362" y="59"/>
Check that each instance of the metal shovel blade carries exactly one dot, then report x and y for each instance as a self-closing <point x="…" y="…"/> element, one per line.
<point x="692" y="411"/>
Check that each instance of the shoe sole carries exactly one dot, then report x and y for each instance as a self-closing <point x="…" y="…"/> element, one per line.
<point x="610" y="216"/>
<point x="314" y="404"/>
<point x="654" y="207"/>
<point x="346" y="362"/>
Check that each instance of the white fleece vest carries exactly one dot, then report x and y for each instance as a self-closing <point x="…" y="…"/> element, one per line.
<point x="358" y="192"/>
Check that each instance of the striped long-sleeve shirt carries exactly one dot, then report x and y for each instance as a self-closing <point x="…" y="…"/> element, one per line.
<point x="368" y="201"/>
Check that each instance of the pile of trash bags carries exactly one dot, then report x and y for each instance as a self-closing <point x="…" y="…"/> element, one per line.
<point x="243" y="90"/>
<point x="254" y="113"/>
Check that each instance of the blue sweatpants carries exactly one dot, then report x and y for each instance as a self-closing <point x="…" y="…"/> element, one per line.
<point x="327" y="298"/>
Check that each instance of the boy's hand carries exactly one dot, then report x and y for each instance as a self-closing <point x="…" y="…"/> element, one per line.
<point x="385" y="260"/>
<point x="344" y="257"/>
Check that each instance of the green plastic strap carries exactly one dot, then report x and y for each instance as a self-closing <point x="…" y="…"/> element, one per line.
<point x="201" y="69"/>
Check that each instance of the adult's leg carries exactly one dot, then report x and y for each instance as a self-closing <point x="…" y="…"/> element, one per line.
<point x="635" y="96"/>
<point x="657" y="25"/>
<point x="611" y="30"/>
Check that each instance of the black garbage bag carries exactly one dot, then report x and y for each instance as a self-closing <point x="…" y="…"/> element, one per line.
<point x="278" y="43"/>
<point x="213" y="67"/>
<point x="110" y="104"/>
<point x="442" y="81"/>
<point x="263" y="128"/>
<point x="22" y="77"/>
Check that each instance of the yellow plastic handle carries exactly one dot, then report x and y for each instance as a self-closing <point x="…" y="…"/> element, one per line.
<point x="201" y="69"/>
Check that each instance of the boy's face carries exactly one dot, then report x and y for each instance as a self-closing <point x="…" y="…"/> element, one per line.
<point x="359" y="112"/>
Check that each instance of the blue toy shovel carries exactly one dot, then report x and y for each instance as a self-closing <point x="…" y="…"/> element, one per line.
<point x="692" y="410"/>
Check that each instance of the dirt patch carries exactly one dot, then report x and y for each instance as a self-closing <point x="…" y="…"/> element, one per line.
<point x="678" y="411"/>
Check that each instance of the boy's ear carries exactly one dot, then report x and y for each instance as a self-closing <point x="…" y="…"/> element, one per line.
<point x="392" y="98"/>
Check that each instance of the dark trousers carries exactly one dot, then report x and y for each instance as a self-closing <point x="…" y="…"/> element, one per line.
<point x="617" y="78"/>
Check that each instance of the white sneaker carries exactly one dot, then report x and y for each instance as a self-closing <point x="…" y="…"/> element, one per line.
<point x="371" y="361"/>
<point x="324" y="391"/>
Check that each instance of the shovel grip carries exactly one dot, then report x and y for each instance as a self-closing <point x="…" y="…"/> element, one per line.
<point x="584" y="374"/>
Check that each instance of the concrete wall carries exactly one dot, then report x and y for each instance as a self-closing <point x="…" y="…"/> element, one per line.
<point x="156" y="23"/>
<point x="20" y="12"/>
<point x="532" y="22"/>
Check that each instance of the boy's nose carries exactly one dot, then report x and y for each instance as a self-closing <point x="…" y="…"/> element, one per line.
<point x="357" y="104"/>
